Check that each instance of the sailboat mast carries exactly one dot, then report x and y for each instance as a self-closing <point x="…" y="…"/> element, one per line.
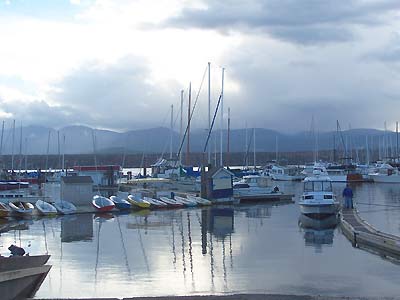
<point x="20" y="150"/>
<point x="188" y="128"/>
<point x="397" y="141"/>
<point x="181" y="127"/>
<point x="26" y="154"/>
<point x="246" y="162"/>
<point x="12" y="148"/>
<point x="366" y="150"/>
<point x="58" y="148"/>
<point x="209" y="109"/>
<point x="47" y="153"/>
<point x="63" y="153"/>
<point x="228" y="141"/>
<point x="171" y="131"/>
<point x="222" y="118"/>
<point x="254" y="148"/>
<point x="1" y="143"/>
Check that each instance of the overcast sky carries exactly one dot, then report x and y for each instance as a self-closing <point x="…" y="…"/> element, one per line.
<point x="120" y="64"/>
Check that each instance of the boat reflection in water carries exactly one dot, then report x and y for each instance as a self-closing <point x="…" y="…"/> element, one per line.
<point x="75" y="228"/>
<point x="318" y="232"/>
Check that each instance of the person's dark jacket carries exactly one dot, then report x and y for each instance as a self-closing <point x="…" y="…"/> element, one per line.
<point x="348" y="192"/>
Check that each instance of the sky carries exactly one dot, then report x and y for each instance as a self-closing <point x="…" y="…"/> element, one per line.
<point x="121" y="64"/>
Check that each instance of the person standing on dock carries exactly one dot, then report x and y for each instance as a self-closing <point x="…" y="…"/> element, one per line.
<point x="348" y="197"/>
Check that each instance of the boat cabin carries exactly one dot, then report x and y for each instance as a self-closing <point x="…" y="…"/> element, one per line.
<point x="318" y="187"/>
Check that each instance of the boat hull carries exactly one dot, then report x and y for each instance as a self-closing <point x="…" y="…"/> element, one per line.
<point x="22" y="283"/>
<point x="103" y="208"/>
<point x="318" y="210"/>
<point x="45" y="209"/>
<point x="21" y="276"/>
<point x="123" y="206"/>
<point x="65" y="207"/>
<point x="138" y="204"/>
<point x="385" y="178"/>
<point x="21" y="209"/>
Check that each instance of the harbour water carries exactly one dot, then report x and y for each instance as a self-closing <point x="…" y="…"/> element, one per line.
<point x="228" y="249"/>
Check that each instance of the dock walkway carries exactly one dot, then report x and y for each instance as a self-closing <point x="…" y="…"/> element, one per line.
<point x="365" y="236"/>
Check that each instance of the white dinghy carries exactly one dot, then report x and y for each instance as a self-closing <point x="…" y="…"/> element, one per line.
<point x="65" y="207"/>
<point x="45" y="209"/>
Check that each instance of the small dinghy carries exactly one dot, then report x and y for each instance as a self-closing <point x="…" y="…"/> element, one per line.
<point x="155" y="203"/>
<point x="45" y="209"/>
<point x="199" y="200"/>
<point x="186" y="201"/>
<point x="102" y="204"/>
<point x="171" y="202"/>
<point x="5" y="210"/>
<point x="21" y="209"/>
<point x="64" y="207"/>
<point x="138" y="202"/>
<point x="120" y="203"/>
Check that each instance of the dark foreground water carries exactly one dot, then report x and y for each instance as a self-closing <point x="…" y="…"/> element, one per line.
<point x="232" y="249"/>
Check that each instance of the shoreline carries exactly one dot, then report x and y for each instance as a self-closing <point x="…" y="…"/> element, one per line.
<point x="236" y="297"/>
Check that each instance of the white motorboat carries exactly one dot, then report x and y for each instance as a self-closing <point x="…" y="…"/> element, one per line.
<point x="45" y="208"/>
<point x="289" y="173"/>
<point x="65" y="207"/>
<point x="253" y="185"/>
<point x="315" y="167"/>
<point x="385" y="173"/>
<point x="318" y="200"/>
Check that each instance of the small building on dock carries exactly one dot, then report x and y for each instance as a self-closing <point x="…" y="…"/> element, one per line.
<point x="104" y="175"/>
<point x="77" y="189"/>
<point x="217" y="185"/>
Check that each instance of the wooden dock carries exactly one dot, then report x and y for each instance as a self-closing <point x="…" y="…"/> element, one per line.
<point x="365" y="236"/>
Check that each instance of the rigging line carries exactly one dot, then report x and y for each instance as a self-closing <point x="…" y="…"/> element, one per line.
<point x="212" y="123"/>
<point x="177" y="116"/>
<point x="191" y="115"/>
<point x="248" y="149"/>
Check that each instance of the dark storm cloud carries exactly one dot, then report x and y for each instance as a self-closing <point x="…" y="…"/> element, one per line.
<point x="285" y="92"/>
<point x="118" y="96"/>
<point x="303" y="22"/>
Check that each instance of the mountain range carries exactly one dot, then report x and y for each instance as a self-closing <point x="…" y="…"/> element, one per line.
<point x="85" y="140"/>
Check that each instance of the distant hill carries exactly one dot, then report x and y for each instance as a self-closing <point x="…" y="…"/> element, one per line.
<point x="79" y="140"/>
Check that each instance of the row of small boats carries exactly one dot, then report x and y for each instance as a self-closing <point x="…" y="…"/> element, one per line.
<point x="25" y="208"/>
<point x="103" y="204"/>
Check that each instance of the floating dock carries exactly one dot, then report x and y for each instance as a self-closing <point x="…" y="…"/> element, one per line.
<point x="365" y="236"/>
<point x="260" y="198"/>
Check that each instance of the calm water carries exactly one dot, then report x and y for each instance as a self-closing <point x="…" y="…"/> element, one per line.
<point x="258" y="249"/>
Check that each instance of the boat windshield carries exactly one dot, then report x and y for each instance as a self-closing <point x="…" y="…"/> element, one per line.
<point x="317" y="186"/>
